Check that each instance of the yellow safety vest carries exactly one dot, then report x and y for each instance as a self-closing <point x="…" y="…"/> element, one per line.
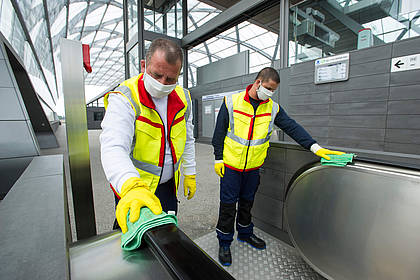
<point x="148" y="147"/>
<point x="247" y="139"/>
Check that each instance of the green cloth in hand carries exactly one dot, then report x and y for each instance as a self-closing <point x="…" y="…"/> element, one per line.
<point x="338" y="160"/>
<point x="131" y="240"/>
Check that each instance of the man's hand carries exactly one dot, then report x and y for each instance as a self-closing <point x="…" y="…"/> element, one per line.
<point x="190" y="186"/>
<point x="135" y="194"/>
<point x="219" y="168"/>
<point x="325" y="152"/>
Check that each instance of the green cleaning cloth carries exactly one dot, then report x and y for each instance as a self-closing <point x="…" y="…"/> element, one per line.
<point x="131" y="240"/>
<point x="338" y="160"/>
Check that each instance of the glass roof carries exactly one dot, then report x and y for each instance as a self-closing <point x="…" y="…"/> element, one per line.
<point x="99" y="23"/>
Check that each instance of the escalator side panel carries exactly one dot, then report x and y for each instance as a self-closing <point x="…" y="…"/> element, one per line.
<point x="357" y="222"/>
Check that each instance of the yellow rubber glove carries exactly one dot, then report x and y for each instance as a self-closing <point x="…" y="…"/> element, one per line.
<point x="190" y="186"/>
<point x="219" y="168"/>
<point x="324" y="152"/>
<point x="135" y="194"/>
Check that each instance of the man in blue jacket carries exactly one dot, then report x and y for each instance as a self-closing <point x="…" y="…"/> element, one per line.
<point x="240" y="141"/>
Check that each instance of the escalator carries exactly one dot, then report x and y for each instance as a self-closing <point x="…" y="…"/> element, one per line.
<point x="356" y="222"/>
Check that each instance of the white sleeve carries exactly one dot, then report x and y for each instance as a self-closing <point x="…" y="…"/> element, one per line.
<point x="189" y="152"/>
<point x="116" y="139"/>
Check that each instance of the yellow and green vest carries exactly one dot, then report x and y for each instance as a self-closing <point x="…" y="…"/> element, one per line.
<point x="148" y="146"/>
<point x="248" y="135"/>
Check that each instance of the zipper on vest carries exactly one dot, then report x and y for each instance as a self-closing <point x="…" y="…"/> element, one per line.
<point x="169" y="140"/>
<point x="164" y="146"/>
<point x="252" y="131"/>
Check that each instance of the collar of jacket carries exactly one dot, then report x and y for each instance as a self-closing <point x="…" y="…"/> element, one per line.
<point x="175" y="103"/>
<point x="247" y="97"/>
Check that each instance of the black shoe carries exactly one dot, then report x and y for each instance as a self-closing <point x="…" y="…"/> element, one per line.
<point x="254" y="241"/>
<point x="225" y="257"/>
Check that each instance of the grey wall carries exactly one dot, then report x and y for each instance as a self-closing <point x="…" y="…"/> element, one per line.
<point x="227" y="85"/>
<point x="375" y="114"/>
<point x="375" y="109"/>
<point x="17" y="139"/>
<point x="232" y="66"/>
<point x="91" y="122"/>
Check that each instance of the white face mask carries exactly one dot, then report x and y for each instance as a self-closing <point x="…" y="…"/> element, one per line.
<point x="263" y="93"/>
<point x="155" y="88"/>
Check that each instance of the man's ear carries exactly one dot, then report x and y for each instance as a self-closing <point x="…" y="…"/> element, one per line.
<point x="143" y="65"/>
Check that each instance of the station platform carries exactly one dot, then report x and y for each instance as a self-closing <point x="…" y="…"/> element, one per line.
<point x="278" y="261"/>
<point x="197" y="218"/>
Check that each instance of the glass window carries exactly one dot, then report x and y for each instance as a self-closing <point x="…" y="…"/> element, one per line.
<point x="98" y="116"/>
<point x="48" y="112"/>
<point x="328" y="27"/>
<point x="133" y="60"/>
<point x="163" y="17"/>
<point x="132" y="17"/>
<point x="260" y="42"/>
<point x="199" y="13"/>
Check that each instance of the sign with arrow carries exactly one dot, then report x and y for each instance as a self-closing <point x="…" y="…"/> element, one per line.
<point x="404" y="63"/>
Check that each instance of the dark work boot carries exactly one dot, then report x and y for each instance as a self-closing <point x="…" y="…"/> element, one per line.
<point x="225" y="257"/>
<point x="254" y="241"/>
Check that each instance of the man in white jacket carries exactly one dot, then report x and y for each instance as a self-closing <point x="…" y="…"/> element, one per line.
<point x="147" y="132"/>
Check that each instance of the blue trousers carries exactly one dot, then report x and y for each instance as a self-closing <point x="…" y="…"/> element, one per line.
<point x="237" y="191"/>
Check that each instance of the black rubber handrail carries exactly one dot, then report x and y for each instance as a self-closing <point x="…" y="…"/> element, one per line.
<point x="181" y="256"/>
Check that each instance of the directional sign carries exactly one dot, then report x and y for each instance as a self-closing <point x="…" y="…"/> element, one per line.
<point x="404" y="63"/>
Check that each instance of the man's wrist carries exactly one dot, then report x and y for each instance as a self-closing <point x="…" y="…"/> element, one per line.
<point x="315" y="148"/>
<point x="190" y="170"/>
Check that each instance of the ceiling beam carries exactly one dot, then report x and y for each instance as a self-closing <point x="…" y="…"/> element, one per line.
<point x="240" y="12"/>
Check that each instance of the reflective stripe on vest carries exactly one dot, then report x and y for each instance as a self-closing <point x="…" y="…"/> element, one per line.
<point x="127" y="93"/>
<point x="187" y="97"/>
<point x="152" y="169"/>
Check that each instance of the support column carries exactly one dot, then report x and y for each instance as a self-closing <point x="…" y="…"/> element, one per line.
<point x="284" y="34"/>
<point x="185" y="32"/>
<point x="77" y="137"/>
<point x="140" y="23"/>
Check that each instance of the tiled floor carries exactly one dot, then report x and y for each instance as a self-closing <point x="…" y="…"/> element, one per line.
<point x="277" y="261"/>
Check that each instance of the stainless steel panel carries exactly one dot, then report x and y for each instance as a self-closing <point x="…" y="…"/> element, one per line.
<point x="276" y="158"/>
<point x="295" y="159"/>
<point x="272" y="183"/>
<point x="10" y="108"/>
<point x="102" y="258"/>
<point x="357" y="222"/>
<point x="268" y="210"/>
<point x="77" y="137"/>
<point x="16" y="140"/>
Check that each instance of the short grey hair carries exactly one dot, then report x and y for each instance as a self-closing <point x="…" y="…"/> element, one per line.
<point x="173" y="53"/>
